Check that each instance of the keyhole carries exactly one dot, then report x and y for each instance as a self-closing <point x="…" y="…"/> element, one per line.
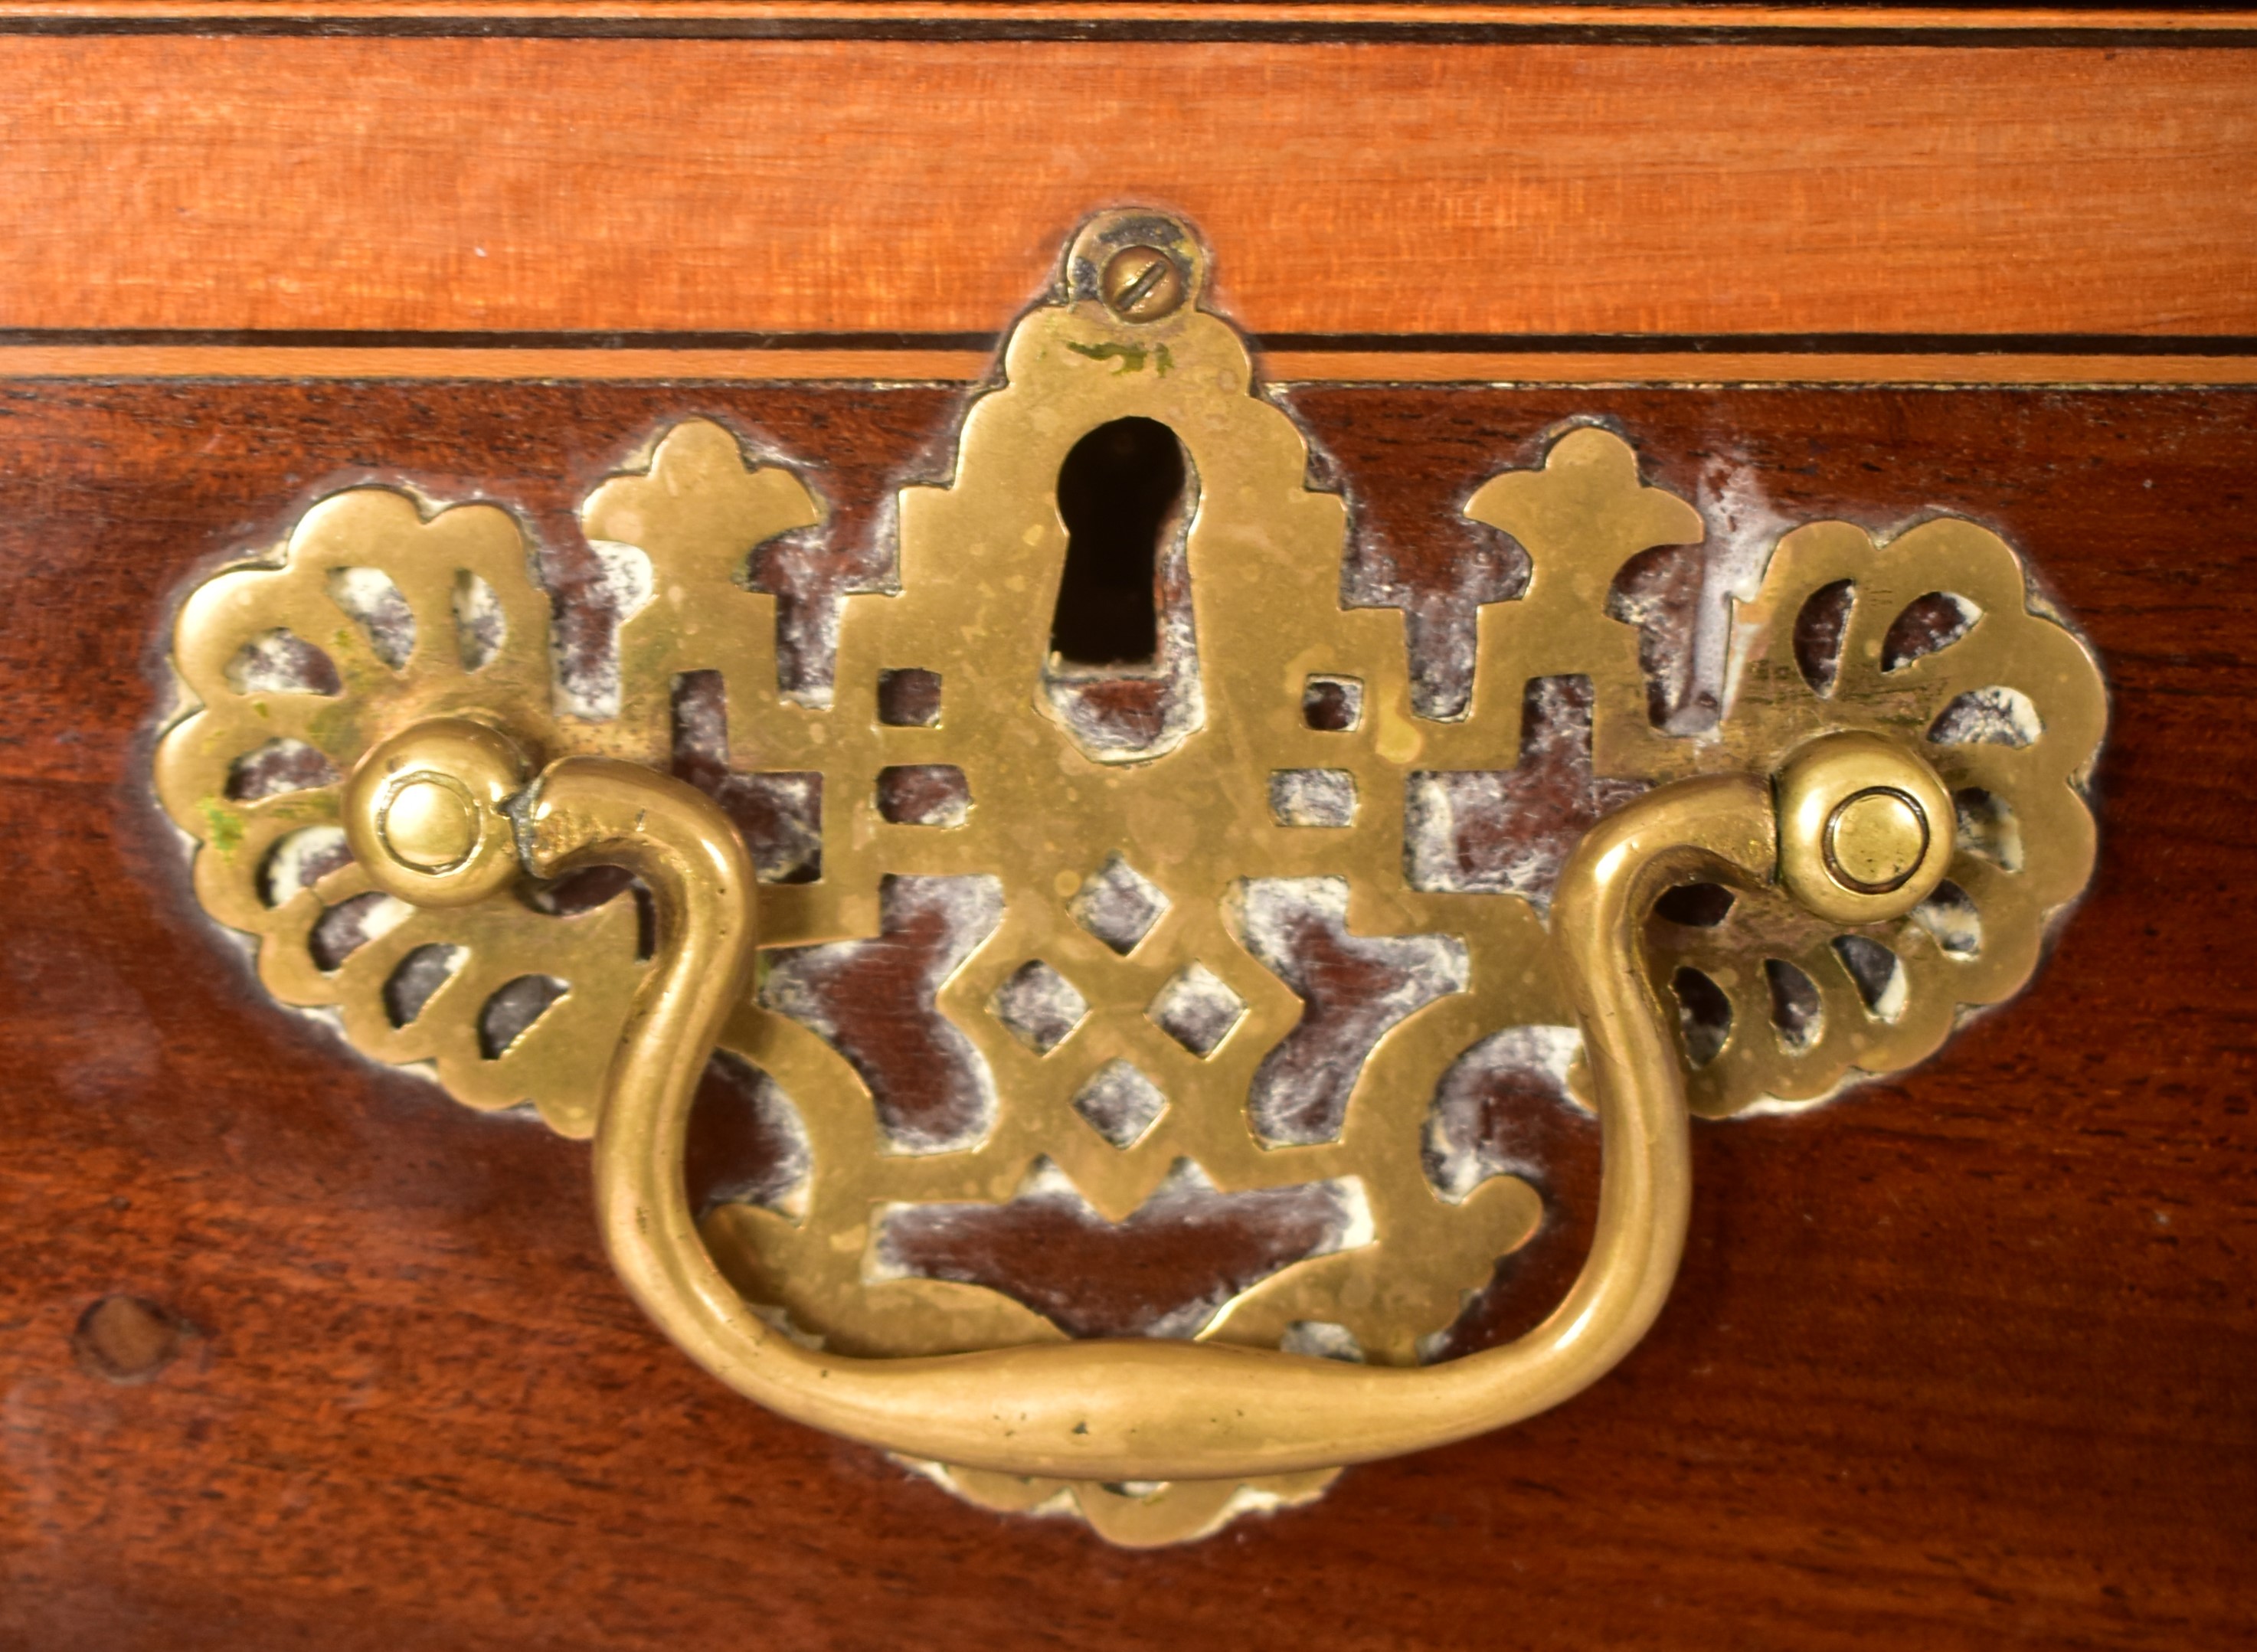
<point x="1119" y="491"/>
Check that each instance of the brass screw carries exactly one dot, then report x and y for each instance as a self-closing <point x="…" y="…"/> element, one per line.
<point x="1142" y="284"/>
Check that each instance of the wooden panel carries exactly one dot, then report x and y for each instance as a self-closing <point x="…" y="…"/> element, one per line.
<point x="1957" y="1362"/>
<point x="532" y="184"/>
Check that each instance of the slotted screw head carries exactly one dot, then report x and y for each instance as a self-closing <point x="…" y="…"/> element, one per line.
<point x="1142" y="284"/>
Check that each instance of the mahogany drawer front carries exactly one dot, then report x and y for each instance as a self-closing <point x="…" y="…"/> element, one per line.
<point x="1958" y="1360"/>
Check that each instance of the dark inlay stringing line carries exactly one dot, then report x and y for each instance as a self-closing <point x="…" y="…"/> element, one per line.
<point x="1239" y="29"/>
<point x="1337" y="343"/>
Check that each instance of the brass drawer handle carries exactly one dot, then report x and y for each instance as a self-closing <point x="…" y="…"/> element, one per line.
<point x="1143" y="804"/>
<point x="1139" y="1409"/>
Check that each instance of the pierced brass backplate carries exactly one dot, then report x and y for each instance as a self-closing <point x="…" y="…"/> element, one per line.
<point x="1126" y="999"/>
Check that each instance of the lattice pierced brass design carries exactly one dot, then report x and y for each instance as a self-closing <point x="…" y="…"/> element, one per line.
<point x="1119" y="993"/>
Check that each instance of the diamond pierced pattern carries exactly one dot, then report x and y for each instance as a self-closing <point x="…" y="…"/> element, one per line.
<point x="1118" y="904"/>
<point x="1038" y="1006"/>
<point x="1120" y="1103"/>
<point x="1198" y="1010"/>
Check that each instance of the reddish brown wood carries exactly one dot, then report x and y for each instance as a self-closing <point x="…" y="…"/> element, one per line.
<point x="926" y="187"/>
<point x="1957" y="1362"/>
<point x="1117" y="1281"/>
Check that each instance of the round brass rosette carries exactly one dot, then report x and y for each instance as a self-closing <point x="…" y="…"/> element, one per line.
<point x="383" y="611"/>
<point x="1933" y="639"/>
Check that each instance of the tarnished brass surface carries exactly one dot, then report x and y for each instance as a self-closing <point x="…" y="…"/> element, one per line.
<point x="1860" y="849"/>
<point x="462" y="850"/>
<point x="1149" y="1409"/>
<point x="1107" y="1411"/>
<point x="980" y="561"/>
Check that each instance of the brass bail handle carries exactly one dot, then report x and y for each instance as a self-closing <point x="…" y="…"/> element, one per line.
<point x="1856" y="827"/>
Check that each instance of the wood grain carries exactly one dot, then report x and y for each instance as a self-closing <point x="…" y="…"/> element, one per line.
<point x="514" y="184"/>
<point x="1960" y="1362"/>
